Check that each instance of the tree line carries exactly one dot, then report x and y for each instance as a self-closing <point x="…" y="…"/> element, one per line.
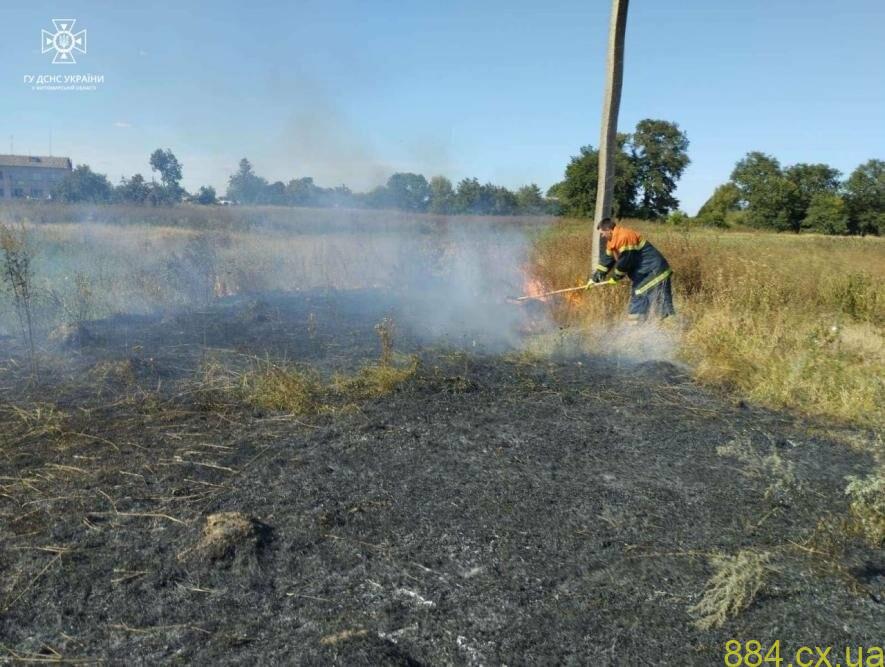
<point x="800" y="197"/>
<point x="403" y="191"/>
<point x="85" y="185"/>
<point x="648" y="165"/>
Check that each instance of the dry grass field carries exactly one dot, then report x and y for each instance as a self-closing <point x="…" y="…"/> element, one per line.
<point x="784" y="320"/>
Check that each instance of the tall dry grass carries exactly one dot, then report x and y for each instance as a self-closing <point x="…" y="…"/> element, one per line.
<point x="16" y="272"/>
<point x="785" y="320"/>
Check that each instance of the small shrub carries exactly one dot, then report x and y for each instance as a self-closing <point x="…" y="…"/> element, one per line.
<point x="780" y="474"/>
<point x="678" y="219"/>
<point x="732" y="588"/>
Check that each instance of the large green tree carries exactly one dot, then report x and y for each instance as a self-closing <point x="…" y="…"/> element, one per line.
<point x="245" y="186"/>
<point x="865" y="198"/>
<point x="577" y="192"/>
<point x="83" y="185"/>
<point x="724" y="200"/>
<point x="273" y="194"/>
<point x="170" y="170"/>
<point x="530" y="200"/>
<point x="812" y="180"/>
<point x="469" y="197"/>
<point x="408" y="192"/>
<point x="647" y="165"/>
<point x="302" y="192"/>
<point x="206" y="196"/>
<point x="770" y="198"/>
<point x="502" y="201"/>
<point x="133" y="191"/>
<point x="660" y="155"/>
<point x="442" y="195"/>
<point x="826" y="214"/>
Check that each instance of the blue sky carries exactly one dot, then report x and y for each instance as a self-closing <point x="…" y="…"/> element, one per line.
<point x="505" y="91"/>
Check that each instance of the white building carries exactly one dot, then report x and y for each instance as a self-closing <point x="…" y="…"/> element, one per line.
<point x="31" y="176"/>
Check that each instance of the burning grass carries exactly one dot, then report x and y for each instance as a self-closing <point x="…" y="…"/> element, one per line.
<point x="92" y="270"/>
<point x="788" y="321"/>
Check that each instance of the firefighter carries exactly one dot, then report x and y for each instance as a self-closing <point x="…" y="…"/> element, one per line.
<point x="626" y="253"/>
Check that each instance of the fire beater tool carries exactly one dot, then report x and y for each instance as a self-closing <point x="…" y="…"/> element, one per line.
<point x="589" y="285"/>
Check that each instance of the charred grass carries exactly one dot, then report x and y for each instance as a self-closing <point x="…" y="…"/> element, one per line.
<point x="173" y="499"/>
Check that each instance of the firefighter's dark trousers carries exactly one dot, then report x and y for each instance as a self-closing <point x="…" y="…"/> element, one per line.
<point x="654" y="298"/>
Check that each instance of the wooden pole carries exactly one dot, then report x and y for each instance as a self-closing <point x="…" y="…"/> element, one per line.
<point x="608" y="135"/>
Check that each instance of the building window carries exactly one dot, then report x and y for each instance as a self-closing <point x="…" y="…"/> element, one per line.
<point x="36" y="192"/>
<point x="2" y="193"/>
<point x="18" y="192"/>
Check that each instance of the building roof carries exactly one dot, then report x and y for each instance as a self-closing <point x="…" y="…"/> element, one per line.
<point x="35" y="161"/>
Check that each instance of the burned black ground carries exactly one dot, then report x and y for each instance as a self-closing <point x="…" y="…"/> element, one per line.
<point x="496" y="508"/>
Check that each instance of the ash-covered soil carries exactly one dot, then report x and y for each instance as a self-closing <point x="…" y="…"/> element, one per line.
<point x="494" y="509"/>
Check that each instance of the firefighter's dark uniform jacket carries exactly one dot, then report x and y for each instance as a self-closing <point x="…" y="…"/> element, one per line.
<point x="631" y="255"/>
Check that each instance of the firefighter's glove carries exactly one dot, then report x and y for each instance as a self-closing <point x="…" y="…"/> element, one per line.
<point x="598" y="276"/>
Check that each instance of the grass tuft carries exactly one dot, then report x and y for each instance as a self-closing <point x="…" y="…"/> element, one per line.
<point x="732" y="588"/>
<point x="283" y="388"/>
<point x="39" y="420"/>
<point x="374" y="380"/>
<point x="296" y="390"/>
<point x="868" y="506"/>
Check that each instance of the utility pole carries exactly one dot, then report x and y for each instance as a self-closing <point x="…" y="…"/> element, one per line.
<point x="608" y="135"/>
